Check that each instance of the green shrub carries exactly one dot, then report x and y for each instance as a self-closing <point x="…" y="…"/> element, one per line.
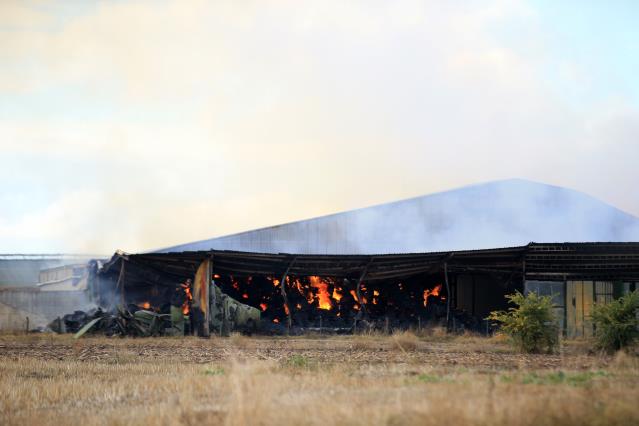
<point x="298" y="361"/>
<point x="616" y="322"/>
<point x="531" y="325"/>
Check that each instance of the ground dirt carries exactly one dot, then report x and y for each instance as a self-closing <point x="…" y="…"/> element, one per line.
<point x="371" y="379"/>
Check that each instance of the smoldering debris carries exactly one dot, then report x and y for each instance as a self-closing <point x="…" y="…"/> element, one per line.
<point x="122" y="321"/>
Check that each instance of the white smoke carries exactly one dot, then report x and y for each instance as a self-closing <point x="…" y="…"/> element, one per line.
<point x="498" y="214"/>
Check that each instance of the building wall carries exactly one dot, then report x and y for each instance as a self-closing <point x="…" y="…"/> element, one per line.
<point x="575" y="299"/>
<point x="48" y="305"/>
<point x="480" y="294"/>
<point x="17" y="320"/>
<point x="71" y="277"/>
<point x="24" y="270"/>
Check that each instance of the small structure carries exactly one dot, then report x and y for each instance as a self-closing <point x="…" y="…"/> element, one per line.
<point x="41" y="287"/>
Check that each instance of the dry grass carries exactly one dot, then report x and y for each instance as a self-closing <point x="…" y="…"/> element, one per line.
<point x="239" y="381"/>
<point x="239" y="341"/>
<point x="405" y="340"/>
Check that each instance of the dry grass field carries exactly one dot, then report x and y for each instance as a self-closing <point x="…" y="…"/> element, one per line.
<point x="314" y="380"/>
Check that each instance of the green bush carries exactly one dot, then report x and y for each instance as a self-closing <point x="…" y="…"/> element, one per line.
<point x="531" y="324"/>
<point x="616" y="322"/>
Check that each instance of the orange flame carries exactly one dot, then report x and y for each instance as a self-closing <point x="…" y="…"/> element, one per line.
<point x="145" y="305"/>
<point x="323" y="296"/>
<point x="337" y="296"/>
<point x="186" y="306"/>
<point x="434" y="292"/>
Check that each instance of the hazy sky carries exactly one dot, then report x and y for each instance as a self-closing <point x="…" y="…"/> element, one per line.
<point x="142" y="124"/>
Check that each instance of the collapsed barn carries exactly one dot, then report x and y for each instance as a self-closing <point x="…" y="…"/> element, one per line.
<point x="455" y="289"/>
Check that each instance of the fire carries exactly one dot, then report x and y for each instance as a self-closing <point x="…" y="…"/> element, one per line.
<point x="337" y="296"/>
<point x="286" y="310"/>
<point x="145" y="305"/>
<point x="245" y="296"/>
<point x="323" y="296"/>
<point x="354" y="294"/>
<point x="375" y="293"/>
<point x="186" y="306"/>
<point x="216" y="276"/>
<point x="310" y="298"/>
<point x="276" y="282"/>
<point x="434" y="292"/>
<point x="275" y="320"/>
<point x="263" y="306"/>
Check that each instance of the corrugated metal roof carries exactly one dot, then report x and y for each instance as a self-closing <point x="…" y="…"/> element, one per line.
<point x="496" y="214"/>
<point x="610" y="260"/>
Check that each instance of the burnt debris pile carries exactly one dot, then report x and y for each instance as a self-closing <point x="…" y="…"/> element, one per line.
<point x="121" y="321"/>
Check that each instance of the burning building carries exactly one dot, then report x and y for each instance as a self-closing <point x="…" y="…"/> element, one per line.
<point x="321" y="272"/>
<point x="324" y="273"/>
<point x="456" y="289"/>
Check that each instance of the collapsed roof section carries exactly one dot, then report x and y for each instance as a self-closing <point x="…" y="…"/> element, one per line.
<point x="553" y="261"/>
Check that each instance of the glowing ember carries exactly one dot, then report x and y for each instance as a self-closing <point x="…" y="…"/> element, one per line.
<point x="375" y="293"/>
<point x="276" y="282"/>
<point x="323" y="296"/>
<point x="186" y="306"/>
<point x="434" y="292"/>
<point x="145" y="305"/>
<point x="263" y="306"/>
<point x="245" y="296"/>
<point x="354" y="294"/>
<point x="216" y="276"/>
<point x="298" y="306"/>
<point x="286" y="309"/>
<point x="275" y="320"/>
<point x="337" y="296"/>
<point x="310" y="298"/>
